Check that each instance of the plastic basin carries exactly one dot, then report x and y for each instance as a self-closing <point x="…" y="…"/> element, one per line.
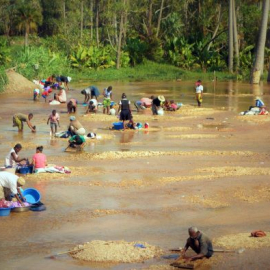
<point x="4" y="212"/>
<point x="31" y="195"/>
<point x="118" y="125"/>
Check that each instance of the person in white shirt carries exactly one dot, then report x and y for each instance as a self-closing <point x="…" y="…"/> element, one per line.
<point x="10" y="184"/>
<point x="199" y="92"/>
<point x="112" y="110"/>
<point x="92" y="107"/>
<point x="12" y="159"/>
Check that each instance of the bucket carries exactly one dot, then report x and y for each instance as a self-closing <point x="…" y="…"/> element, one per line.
<point x="31" y="195"/>
<point x="24" y="170"/>
<point x="118" y="125"/>
<point x="4" y="212"/>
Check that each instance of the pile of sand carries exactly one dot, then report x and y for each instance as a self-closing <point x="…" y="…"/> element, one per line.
<point x="235" y="171"/>
<point x="193" y="136"/>
<point x="145" y="154"/>
<point x="75" y="171"/>
<point x="208" y="202"/>
<point x="242" y="240"/>
<point x="115" y="251"/>
<point x="18" y="83"/>
<point x="177" y="128"/>
<point x="188" y="110"/>
<point x="258" y="194"/>
<point x="254" y="118"/>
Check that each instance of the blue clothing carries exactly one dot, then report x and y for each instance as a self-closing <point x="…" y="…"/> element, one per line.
<point x="259" y="103"/>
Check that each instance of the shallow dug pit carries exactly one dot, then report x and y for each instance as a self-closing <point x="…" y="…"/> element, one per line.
<point x="115" y="251"/>
<point x="242" y="240"/>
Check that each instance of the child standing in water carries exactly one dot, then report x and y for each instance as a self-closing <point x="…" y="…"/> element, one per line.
<point x="54" y="120"/>
<point x="107" y="99"/>
<point x="199" y="92"/>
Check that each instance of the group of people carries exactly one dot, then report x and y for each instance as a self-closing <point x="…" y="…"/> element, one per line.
<point x="10" y="183"/>
<point x="53" y="82"/>
<point x="13" y="162"/>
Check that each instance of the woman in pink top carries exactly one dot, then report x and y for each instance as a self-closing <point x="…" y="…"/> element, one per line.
<point x="39" y="159"/>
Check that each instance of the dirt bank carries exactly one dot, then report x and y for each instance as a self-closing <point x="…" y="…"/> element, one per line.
<point x="18" y="83"/>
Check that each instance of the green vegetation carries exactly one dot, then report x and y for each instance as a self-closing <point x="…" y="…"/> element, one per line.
<point x="132" y="40"/>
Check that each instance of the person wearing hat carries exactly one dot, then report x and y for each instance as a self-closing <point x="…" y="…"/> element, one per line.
<point x="75" y="127"/>
<point x="199" y="92"/>
<point x="157" y="104"/>
<point x="258" y="104"/>
<point x="61" y="96"/>
<point x="10" y="184"/>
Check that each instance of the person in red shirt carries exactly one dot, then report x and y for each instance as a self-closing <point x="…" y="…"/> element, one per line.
<point x="39" y="160"/>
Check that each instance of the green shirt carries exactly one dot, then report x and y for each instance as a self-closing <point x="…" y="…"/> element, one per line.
<point x="22" y="117"/>
<point x="73" y="138"/>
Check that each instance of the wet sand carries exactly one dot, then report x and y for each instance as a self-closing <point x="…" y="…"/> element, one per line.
<point x="207" y="168"/>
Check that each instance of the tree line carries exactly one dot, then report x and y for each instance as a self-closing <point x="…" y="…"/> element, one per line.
<point x="207" y="35"/>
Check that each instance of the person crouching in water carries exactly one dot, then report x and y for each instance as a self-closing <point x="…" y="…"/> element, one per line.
<point x="199" y="243"/>
<point x="124" y="107"/>
<point x="199" y="92"/>
<point x="92" y="107"/>
<point x="54" y="120"/>
<point x="75" y="127"/>
<point x="72" y="105"/>
<point x="76" y="141"/>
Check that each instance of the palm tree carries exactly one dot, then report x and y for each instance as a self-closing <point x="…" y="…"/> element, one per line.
<point x="256" y="71"/>
<point x="28" y="17"/>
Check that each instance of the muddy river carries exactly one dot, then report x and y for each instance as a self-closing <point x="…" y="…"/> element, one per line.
<point x="206" y="167"/>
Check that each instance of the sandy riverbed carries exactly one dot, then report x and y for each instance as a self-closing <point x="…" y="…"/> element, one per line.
<point x="204" y="167"/>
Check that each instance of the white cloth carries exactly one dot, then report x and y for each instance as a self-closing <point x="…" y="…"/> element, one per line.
<point x="9" y="161"/>
<point x="112" y="111"/>
<point x="94" y="102"/>
<point x="199" y="89"/>
<point x="80" y="131"/>
<point x="107" y="94"/>
<point x="54" y="102"/>
<point x="88" y="90"/>
<point x="63" y="96"/>
<point x="9" y="180"/>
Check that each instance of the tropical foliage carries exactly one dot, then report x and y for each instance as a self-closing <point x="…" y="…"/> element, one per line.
<point x="107" y="34"/>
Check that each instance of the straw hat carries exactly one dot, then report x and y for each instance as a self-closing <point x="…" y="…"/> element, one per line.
<point x="21" y="181"/>
<point x="161" y="98"/>
<point x="257" y="98"/>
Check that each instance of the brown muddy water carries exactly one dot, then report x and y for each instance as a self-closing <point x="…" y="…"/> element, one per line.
<point x="209" y="168"/>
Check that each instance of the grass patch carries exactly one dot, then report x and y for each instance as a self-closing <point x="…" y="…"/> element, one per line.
<point x="3" y="79"/>
<point x="149" y="71"/>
